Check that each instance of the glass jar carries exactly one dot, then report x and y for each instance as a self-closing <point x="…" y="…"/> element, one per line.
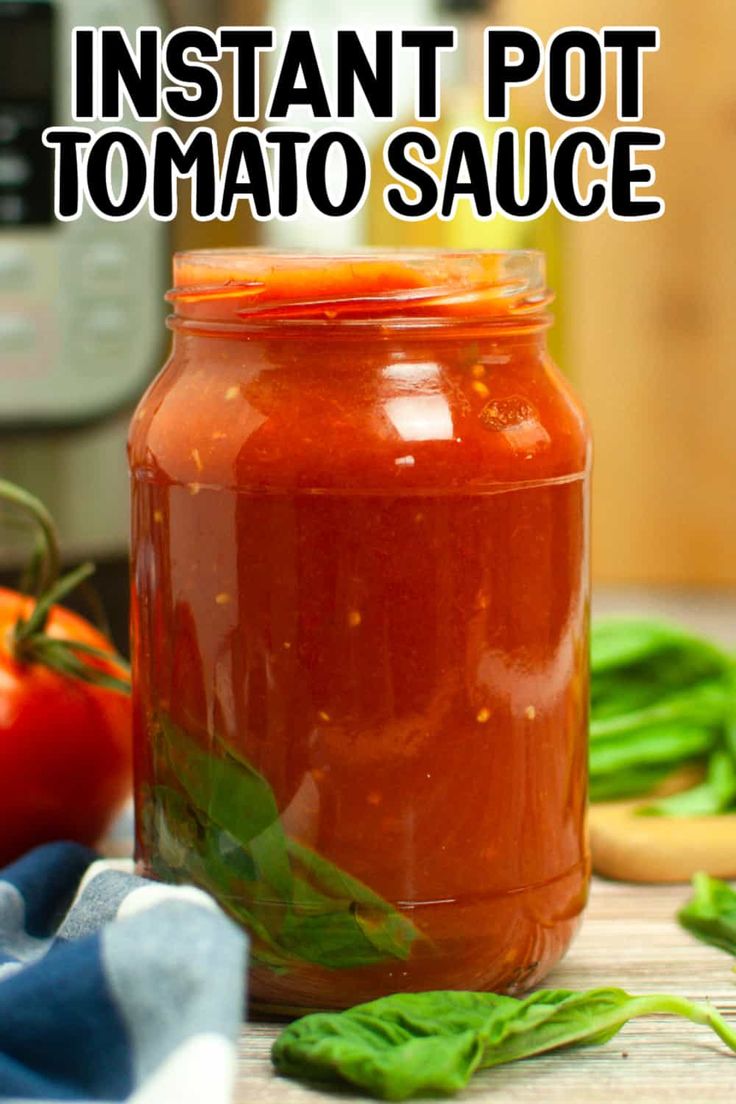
<point x="360" y="620"/>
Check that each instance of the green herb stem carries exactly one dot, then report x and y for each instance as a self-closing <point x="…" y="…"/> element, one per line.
<point x="47" y="559"/>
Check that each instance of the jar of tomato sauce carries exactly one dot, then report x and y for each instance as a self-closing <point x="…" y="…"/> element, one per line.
<point x="360" y="620"/>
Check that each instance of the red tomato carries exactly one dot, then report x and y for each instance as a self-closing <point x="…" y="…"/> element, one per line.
<point x="65" y="745"/>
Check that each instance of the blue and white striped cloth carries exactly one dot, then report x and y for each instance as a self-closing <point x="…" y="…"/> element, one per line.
<point x="113" y="987"/>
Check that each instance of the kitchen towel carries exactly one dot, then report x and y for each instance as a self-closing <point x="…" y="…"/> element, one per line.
<point x="113" y="987"/>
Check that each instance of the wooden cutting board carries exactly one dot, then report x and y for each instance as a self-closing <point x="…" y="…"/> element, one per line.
<point x="630" y="939"/>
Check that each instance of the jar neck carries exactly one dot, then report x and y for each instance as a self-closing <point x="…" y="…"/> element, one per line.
<point x="349" y="347"/>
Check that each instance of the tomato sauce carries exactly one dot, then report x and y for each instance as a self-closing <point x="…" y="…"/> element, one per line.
<point x="360" y="620"/>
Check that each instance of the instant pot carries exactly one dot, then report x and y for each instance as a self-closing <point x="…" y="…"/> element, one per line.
<point x="81" y="304"/>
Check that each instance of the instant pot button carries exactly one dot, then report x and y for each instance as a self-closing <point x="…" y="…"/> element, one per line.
<point x="9" y="128"/>
<point x="106" y="262"/>
<point x="12" y="209"/>
<point x="106" y="325"/>
<point x="15" y="169"/>
<point x="17" y="333"/>
<point x="15" y="268"/>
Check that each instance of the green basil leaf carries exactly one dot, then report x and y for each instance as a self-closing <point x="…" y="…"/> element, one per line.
<point x="336" y="921"/>
<point x="389" y="932"/>
<point x="661" y="698"/>
<point x="710" y="914"/>
<point x="667" y="745"/>
<point x="234" y="796"/>
<point x="624" y="641"/>
<point x="392" y="1048"/>
<point x="415" y="1044"/>
<point x="632" y="781"/>
<point x="225" y="832"/>
<point x="708" y="703"/>
<point x="709" y="798"/>
<point x="189" y="848"/>
<point x="328" y="937"/>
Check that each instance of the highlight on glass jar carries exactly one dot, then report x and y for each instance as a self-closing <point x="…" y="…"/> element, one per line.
<point x="360" y="619"/>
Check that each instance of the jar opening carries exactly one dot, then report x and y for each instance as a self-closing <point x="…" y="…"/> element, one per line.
<point x="247" y="289"/>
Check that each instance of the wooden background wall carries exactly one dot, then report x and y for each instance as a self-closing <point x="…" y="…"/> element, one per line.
<point x="187" y="232"/>
<point x="652" y="323"/>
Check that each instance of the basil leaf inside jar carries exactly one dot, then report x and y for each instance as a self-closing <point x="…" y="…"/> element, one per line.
<point x="217" y="824"/>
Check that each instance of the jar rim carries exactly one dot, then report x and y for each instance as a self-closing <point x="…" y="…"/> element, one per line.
<point x="243" y="288"/>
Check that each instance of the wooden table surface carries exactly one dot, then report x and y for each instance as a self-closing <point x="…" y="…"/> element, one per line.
<point x="630" y="939"/>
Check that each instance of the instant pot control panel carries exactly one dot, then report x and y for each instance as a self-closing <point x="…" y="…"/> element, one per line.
<point x="80" y="302"/>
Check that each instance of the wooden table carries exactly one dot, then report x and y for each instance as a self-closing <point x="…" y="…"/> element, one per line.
<point x="630" y="939"/>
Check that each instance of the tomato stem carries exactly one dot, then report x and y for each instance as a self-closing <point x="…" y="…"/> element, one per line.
<point x="29" y="642"/>
<point x="36" y="623"/>
<point x="47" y="558"/>
<point x="63" y="656"/>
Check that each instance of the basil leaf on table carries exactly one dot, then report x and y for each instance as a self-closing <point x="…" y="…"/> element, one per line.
<point x="218" y="823"/>
<point x="414" y="1044"/>
<point x="710" y="914"/>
